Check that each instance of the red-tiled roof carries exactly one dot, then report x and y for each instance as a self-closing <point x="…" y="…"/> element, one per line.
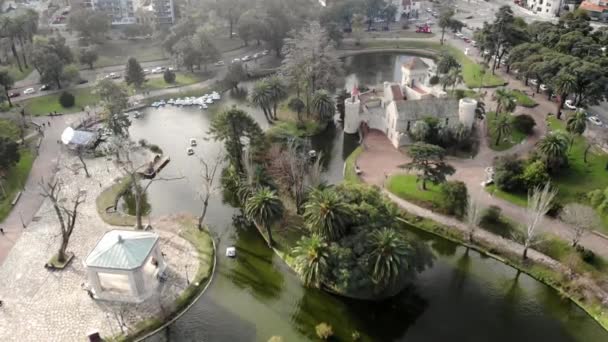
<point x="415" y="63"/>
<point x="396" y="90"/>
<point x="589" y="6"/>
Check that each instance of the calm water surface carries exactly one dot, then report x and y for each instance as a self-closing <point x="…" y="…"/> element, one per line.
<point x="463" y="297"/>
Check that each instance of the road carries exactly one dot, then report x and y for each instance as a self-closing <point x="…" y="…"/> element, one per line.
<point x="31" y="81"/>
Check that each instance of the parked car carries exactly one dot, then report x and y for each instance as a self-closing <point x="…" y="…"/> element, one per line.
<point x="236" y="60"/>
<point x="44" y="87"/>
<point x="14" y="94"/>
<point x="265" y="52"/>
<point x="29" y="91"/>
<point x="570" y="105"/>
<point x="146" y="71"/>
<point x="544" y="87"/>
<point x="219" y="63"/>
<point x="83" y="81"/>
<point x="595" y="120"/>
<point x="246" y="58"/>
<point x="534" y="81"/>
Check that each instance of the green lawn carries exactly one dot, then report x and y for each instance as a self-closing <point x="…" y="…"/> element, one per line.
<point x="14" y="182"/>
<point x="19" y="75"/>
<point x="406" y="187"/>
<point x="181" y="79"/>
<point x="42" y="105"/>
<point x="523" y="99"/>
<point x="472" y="72"/>
<point x="580" y="177"/>
<point x="350" y="175"/>
<point x="9" y="129"/>
<point x="506" y="142"/>
<point x="519" y="199"/>
<point x="116" y="52"/>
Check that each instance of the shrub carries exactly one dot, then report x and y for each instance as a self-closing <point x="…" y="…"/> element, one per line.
<point x="66" y="100"/>
<point x="324" y="331"/>
<point x="155" y="149"/>
<point x="508" y="173"/>
<point x="169" y="76"/>
<point x="587" y="255"/>
<point x="434" y="80"/>
<point x="535" y="174"/>
<point x="356" y="336"/>
<point x="454" y="197"/>
<point x="491" y="214"/>
<point x="596" y="197"/>
<point x="555" y="209"/>
<point x="524" y="123"/>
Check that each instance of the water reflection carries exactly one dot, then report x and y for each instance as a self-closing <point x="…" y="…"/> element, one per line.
<point x="463" y="297"/>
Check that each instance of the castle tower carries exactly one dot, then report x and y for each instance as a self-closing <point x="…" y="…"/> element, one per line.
<point x="466" y="111"/>
<point x="414" y="72"/>
<point x="352" y="120"/>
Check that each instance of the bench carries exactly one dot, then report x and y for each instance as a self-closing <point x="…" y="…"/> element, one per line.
<point x="16" y="199"/>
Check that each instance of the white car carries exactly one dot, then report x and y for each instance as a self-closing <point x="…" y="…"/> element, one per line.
<point x="246" y="58"/>
<point x="570" y="105"/>
<point x="265" y="52"/>
<point x="29" y="91"/>
<point x="236" y="60"/>
<point x="534" y="81"/>
<point x="595" y="120"/>
<point x="543" y="87"/>
<point x="219" y="63"/>
<point x="146" y="71"/>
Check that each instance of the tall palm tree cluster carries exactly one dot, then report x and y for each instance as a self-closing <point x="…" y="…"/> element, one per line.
<point x="355" y="246"/>
<point x="267" y="94"/>
<point x="449" y="70"/>
<point x="502" y="124"/>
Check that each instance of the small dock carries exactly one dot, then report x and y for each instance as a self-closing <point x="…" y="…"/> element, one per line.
<point x="155" y="166"/>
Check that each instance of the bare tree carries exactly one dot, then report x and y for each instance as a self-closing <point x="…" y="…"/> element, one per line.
<point x="581" y="219"/>
<point x="65" y="214"/>
<point x="80" y="150"/>
<point x="473" y="217"/>
<point x="208" y="187"/>
<point x="539" y="203"/>
<point x="139" y="190"/>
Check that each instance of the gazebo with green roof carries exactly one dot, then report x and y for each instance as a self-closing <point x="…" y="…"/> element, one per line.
<point x="125" y="265"/>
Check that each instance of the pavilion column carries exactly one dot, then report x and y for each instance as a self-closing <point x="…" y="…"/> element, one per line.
<point x="94" y="280"/>
<point x="137" y="282"/>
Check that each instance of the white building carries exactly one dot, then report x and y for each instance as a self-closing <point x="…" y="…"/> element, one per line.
<point x="544" y="8"/>
<point x="406" y="8"/>
<point x="400" y="105"/>
<point x="121" y="12"/>
<point x="125" y="266"/>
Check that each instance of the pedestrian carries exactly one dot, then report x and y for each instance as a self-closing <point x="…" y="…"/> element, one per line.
<point x="49" y="124"/>
<point x="43" y="124"/>
<point x="1" y="303"/>
<point x="2" y="231"/>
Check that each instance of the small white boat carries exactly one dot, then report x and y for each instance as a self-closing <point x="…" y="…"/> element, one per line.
<point x="203" y="106"/>
<point x="209" y="101"/>
<point x="231" y="252"/>
<point x="216" y="96"/>
<point x="136" y="114"/>
<point x="162" y="103"/>
<point x="171" y="101"/>
<point x="154" y="104"/>
<point x="192" y="142"/>
<point x="189" y="151"/>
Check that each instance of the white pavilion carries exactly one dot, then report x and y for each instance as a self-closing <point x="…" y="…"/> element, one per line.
<point x="125" y="266"/>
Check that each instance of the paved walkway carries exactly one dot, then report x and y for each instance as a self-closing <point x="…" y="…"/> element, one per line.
<point x="43" y="305"/>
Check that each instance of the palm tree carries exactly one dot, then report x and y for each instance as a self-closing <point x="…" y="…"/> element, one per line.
<point x="277" y="93"/>
<point x="553" y="148"/>
<point x="455" y="75"/>
<point x="261" y="96"/>
<point x="323" y="104"/>
<point x="311" y="255"/>
<point x="505" y="100"/>
<point x="297" y="105"/>
<point x="564" y="84"/>
<point x="502" y="127"/>
<point x="326" y="212"/>
<point x="576" y="123"/>
<point x="6" y="82"/>
<point x="264" y="208"/>
<point x="387" y="253"/>
<point x="446" y="62"/>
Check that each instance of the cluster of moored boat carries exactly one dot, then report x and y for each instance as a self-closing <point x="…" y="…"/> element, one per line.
<point x="202" y="102"/>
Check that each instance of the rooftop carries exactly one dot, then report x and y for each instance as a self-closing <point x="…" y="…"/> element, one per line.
<point x="593" y="7"/>
<point x="122" y="249"/>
